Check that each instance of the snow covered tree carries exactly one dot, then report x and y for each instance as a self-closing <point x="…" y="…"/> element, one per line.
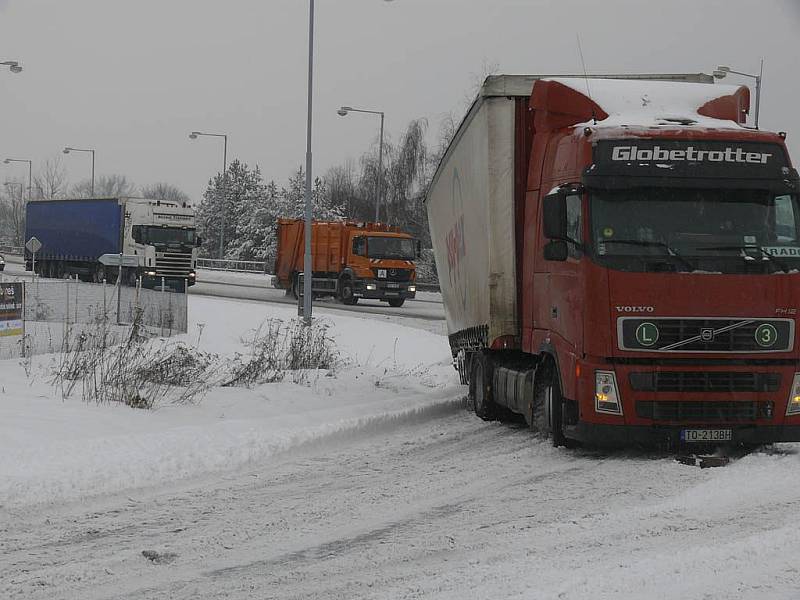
<point x="230" y="201"/>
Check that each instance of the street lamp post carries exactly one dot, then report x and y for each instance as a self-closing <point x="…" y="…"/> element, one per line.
<point x="721" y="72"/>
<point x="30" y="171"/>
<point x="13" y="65"/>
<point x="308" y="208"/>
<point x="193" y="136"/>
<point x="69" y="149"/>
<point x="343" y="111"/>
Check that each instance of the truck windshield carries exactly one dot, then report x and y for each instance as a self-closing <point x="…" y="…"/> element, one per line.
<point x="664" y="229"/>
<point x="167" y="235"/>
<point x="390" y="247"/>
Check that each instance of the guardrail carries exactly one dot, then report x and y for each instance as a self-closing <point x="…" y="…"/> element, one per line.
<point x="239" y="266"/>
<point x="11" y="250"/>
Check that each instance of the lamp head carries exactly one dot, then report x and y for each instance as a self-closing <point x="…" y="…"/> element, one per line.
<point x="66" y="150"/>
<point x="193" y="135"/>
<point x="15" y="68"/>
<point x="342" y="112"/>
<point x="7" y="161"/>
<point x="719" y="74"/>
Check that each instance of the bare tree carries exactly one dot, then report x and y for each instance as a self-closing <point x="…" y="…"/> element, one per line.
<point x="51" y="180"/>
<point x="105" y="186"/>
<point x="12" y="212"/>
<point x="164" y="191"/>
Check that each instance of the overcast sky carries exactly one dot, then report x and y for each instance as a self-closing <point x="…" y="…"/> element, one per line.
<point x="132" y="78"/>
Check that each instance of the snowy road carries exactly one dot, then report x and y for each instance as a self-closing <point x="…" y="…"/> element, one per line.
<point x="448" y="507"/>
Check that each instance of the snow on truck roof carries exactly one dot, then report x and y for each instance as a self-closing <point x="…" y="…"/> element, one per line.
<point x="642" y="103"/>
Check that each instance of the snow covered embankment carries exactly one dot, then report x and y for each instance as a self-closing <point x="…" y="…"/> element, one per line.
<point x="59" y="451"/>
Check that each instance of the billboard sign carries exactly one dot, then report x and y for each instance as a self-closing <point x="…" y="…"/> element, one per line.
<point x="12" y="303"/>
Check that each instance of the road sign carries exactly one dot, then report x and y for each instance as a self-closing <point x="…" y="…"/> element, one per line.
<point x="116" y="260"/>
<point x="33" y="245"/>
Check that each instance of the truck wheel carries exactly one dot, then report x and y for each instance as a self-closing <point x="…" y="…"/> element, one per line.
<point x="546" y="404"/>
<point x="396" y="302"/>
<point x="480" y="388"/>
<point x="346" y="292"/>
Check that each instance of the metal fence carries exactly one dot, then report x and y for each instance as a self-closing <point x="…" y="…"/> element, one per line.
<point x="55" y="306"/>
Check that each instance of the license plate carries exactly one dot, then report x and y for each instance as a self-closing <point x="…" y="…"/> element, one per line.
<point x="706" y="435"/>
<point x="392" y="294"/>
<point x="393" y="285"/>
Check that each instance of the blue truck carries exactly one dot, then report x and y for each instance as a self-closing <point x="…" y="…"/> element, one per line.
<point x="75" y="233"/>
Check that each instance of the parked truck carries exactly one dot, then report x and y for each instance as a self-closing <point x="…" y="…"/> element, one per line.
<point x="160" y="236"/>
<point x="619" y="260"/>
<point x="349" y="260"/>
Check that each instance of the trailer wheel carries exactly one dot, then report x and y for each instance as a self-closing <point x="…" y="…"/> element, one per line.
<point x="346" y="292"/>
<point x="480" y="388"/>
<point x="546" y="405"/>
<point x="396" y="302"/>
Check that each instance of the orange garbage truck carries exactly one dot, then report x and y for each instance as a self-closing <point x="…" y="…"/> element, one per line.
<point x="350" y="261"/>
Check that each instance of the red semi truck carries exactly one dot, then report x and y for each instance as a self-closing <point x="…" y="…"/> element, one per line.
<point x="618" y="259"/>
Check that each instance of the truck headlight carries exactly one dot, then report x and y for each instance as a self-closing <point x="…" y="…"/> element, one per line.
<point x="371" y="287"/>
<point x="150" y="273"/>
<point x="793" y="406"/>
<point x="412" y="288"/>
<point x="606" y="394"/>
<point x="192" y="274"/>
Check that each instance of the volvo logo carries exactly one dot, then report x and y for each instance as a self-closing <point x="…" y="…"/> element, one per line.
<point x="706" y="334"/>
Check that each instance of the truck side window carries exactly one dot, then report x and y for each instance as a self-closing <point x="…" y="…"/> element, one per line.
<point x="360" y="246"/>
<point x="574" y="224"/>
<point x="785" y="223"/>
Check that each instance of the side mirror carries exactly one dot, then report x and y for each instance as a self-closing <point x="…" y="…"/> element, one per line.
<point x="198" y="241"/>
<point x="136" y="233"/>
<point x="554" y="216"/>
<point x="419" y="249"/>
<point x="556" y="251"/>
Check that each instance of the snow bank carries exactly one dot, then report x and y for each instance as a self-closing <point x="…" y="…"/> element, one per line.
<point x="53" y="450"/>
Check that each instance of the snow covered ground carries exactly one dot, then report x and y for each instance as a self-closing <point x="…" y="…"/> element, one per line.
<point x="376" y="483"/>
<point x="52" y="450"/>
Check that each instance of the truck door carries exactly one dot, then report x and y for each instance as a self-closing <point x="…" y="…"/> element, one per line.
<point x="560" y="311"/>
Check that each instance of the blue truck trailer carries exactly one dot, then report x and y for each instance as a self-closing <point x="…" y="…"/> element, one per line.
<point x="75" y="233"/>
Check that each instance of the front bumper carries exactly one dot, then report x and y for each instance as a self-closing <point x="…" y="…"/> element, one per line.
<point x="384" y="290"/>
<point x="171" y="283"/>
<point x="669" y="436"/>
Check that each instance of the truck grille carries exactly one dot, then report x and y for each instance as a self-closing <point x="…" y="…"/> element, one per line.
<point x="394" y="274"/>
<point x="703" y="412"/>
<point x="700" y="381"/>
<point x="705" y="335"/>
<point x="173" y="264"/>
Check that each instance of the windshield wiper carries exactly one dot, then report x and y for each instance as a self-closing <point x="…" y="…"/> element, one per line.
<point x="782" y="265"/>
<point x="654" y="244"/>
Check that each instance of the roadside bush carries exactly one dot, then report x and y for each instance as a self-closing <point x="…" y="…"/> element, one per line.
<point x="278" y="348"/>
<point x="130" y="368"/>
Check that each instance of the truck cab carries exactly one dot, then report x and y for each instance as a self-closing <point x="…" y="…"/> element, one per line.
<point x="163" y="235"/>
<point x="670" y="298"/>
<point x="382" y="267"/>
